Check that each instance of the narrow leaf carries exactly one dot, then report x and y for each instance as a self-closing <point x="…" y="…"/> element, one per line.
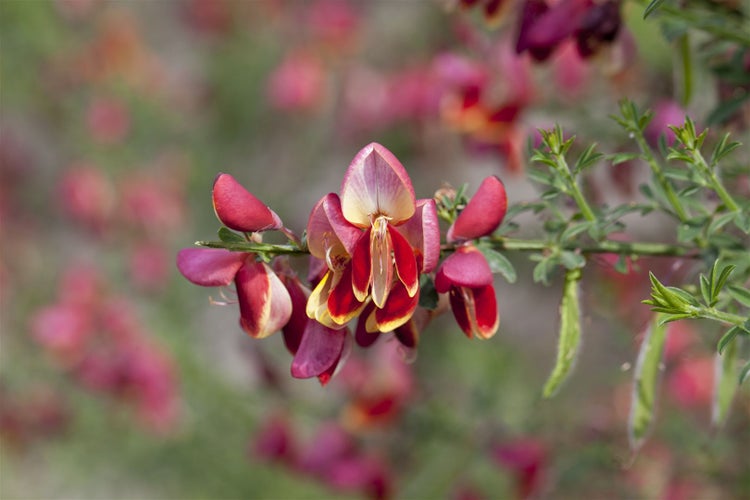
<point x="727" y="339"/>
<point x="499" y="263"/>
<point x="741" y="295"/>
<point x="652" y="7"/>
<point x="648" y="371"/>
<point x="228" y="236"/>
<point x="570" y="332"/>
<point x="725" y="384"/>
<point x="744" y="373"/>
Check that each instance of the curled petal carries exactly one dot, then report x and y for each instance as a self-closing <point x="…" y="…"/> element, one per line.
<point x="475" y="310"/>
<point x="362" y="336"/>
<point x="209" y="266"/>
<point x="319" y="351"/>
<point x="406" y="263"/>
<point x="376" y="184"/>
<point x="423" y="234"/>
<point x="238" y="209"/>
<point x="265" y="305"/>
<point x="298" y="294"/>
<point x="343" y="305"/>
<point x="484" y="212"/>
<point x="465" y="267"/>
<point x="328" y="232"/>
<point x="398" y="309"/>
<point x="408" y="333"/>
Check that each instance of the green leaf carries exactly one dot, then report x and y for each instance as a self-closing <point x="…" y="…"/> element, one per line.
<point x="705" y="290"/>
<point x="648" y="371"/>
<point x="727" y="338"/>
<point x="228" y="236"/>
<point x="587" y="159"/>
<point x="499" y="263"/>
<point x="428" y="296"/>
<point x="540" y="176"/>
<point x="543" y="270"/>
<point x="575" y="230"/>
<point x="618" y="158"/>
<point x="569" y="338"/>
<point x="744" y="373"/>
<point x="721" y="280"/>
<point x="723" y="148"/>
<point x="572" y="260"/>
<point x="720" y="221"/>
<point x="741" y="295"/>
<point x="725" y="384"/>
<point x="652" y="7"/>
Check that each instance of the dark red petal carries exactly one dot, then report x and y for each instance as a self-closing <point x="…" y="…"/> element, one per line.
<point x="460" y="312"/>
<point x="406" y="263"/>
<point x="238" y="209"/>
<point x="465" y="267"/>
<point x="475" y="310"/>
<point x="265" y="305"/>
<point x="361" y="335"/>
<point x="209" y="266"/>
<point x="342" y="303"/>
<point x="398" y="309"/>
<point x="483" y="214"/>
<point x="362" y="267"/>
<point x="293" y="330"/>
<point x="320" y="349"/>
<point x="487" y="317"/>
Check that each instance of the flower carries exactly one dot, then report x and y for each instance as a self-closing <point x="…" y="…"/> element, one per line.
<point x="465" y="274"/>
<point x="375" y="239"/>
<point x="265" y="304"/>
<point x="467" y="277"/>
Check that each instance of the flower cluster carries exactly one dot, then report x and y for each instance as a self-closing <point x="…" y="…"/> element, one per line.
<point x="371" y="247"/>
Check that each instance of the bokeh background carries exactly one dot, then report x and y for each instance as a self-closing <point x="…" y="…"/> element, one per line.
<point x="119" y="379"/>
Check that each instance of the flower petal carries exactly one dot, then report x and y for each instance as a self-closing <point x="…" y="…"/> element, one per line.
<point x="398" y="310"/>
<point x="298" y="294"/>
<point x="320" y="349"/>
<point x="376" y="183"/>
<point x="265" y="305"/>
<point x="381" y="248"/>
<point x="327" y="229"/>
<point x="475" y="310"/>
<point x="423" y="234"/>
<point x="362" y="267"/>
<point x="465" y="267"/>
<point x="238" y="209"/>
<point x="406" y="263"/>
<point x="483" y="214"/>
<point x="343" y="305"/>
<point x="209" y="266"/>
<point x="363" y="337"/>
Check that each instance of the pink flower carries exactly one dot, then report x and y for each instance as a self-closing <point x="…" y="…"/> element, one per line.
<point x="298" y="83"/>
<point x="483" y="214"/>
<point x="375" y="239"/>
<point x="467" y="277"/>
<point x="526" y="459"/>
<point x="87" y="195"/>
<point x="265" y="304"/>
<point x="666" y="113"/>
<point x="691" y="382"/>
<point x="108" y="120"/>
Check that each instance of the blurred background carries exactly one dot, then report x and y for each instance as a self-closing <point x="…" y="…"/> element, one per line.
<point x="120" y="379"/>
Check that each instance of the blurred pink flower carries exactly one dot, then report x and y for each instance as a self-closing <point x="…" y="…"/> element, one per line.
<point x="211" y="17"/>
<point x="571" y="71"/>
<point x="150" y="264"/>
<point x="87" y="195"/>
<point x="275" y="441"/>
<point x="690" y="384"/>
<point x="666" y="112"/>
<point x="333" y="23"/>
<point x="108" y="120"/>
<point x="298" y="83"/>
<point x="153" y="202"/>
<point x="526" y="459"/>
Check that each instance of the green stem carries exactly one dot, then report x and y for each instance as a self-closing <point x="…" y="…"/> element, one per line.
<point x="575" y="192"/>
<point x="716" y="184"/>
<point x="687" y="70"/>
<point x="666" y="186"/>
<point x="723" y="317"/>
<point x="644" y="249"/>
